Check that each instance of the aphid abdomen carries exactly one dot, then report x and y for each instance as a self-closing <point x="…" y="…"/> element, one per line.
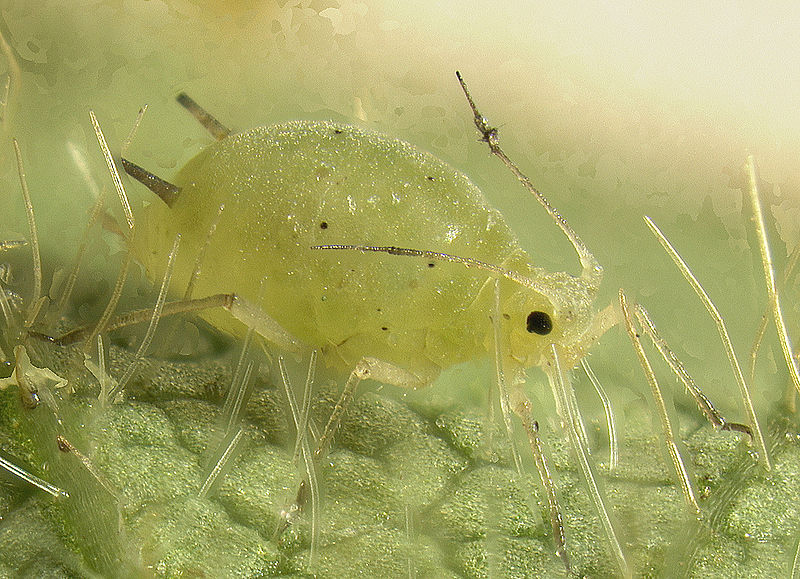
<point x="290" y="186"/>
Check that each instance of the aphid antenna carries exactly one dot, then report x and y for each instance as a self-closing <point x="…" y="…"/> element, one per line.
<point x="209" y="122"/>
<point x="722" y="329"/>
<point x="705" y="405"/>
<point x="591" y="275"/>
<point x="684" y="480"/>
<point x="34" y="240"/>
<point x="611" y="424"/>
<point x="592" y="270"/>
<point x="769" y="274"/>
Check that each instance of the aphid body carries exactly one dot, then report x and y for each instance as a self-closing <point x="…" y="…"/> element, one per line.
<point x="281" y="199"/>
<point x="291" y="186"/>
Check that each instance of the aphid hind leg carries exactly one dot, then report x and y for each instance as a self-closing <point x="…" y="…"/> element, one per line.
<point x="243" y="310"/>
<point x="365" y="368"/>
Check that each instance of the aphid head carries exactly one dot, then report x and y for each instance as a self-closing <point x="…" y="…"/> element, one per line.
<point x="558" y="312"/>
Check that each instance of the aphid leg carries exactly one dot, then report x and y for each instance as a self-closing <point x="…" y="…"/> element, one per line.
<point x="722" y="329"/>
<point x="558" y="382"/>
<point x="706" y="407"/>
<point x="522" y="408"/>
<point x="769" y="274"/>
<point x="666" y="424"/>
<point x="592" y="270"/>
<point x="366" y="368"/>
<point x="212" y="125"/>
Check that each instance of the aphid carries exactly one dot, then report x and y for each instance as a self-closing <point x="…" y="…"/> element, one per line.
<point x="304" y="200"/>
<point x="294" y="192"/>
<point x="291" y="188"/>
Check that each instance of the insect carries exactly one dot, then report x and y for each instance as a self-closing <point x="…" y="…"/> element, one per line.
<point x="280" y="216"/>
<point x="302" y="200"/>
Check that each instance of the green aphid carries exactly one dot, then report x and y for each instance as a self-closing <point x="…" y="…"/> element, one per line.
<point x="304" y="201"/>
<point x="291" y="187"/>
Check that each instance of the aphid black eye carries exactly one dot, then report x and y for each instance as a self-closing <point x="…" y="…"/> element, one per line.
<point x="539" y="323"/>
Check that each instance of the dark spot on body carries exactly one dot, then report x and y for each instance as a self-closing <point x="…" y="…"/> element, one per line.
<point x="337" y="131"/>
<point x="429" y="178"/>
<point x="431" y="264"/>
<point x="323" y="225"/>
<point x="384" y="328"/>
